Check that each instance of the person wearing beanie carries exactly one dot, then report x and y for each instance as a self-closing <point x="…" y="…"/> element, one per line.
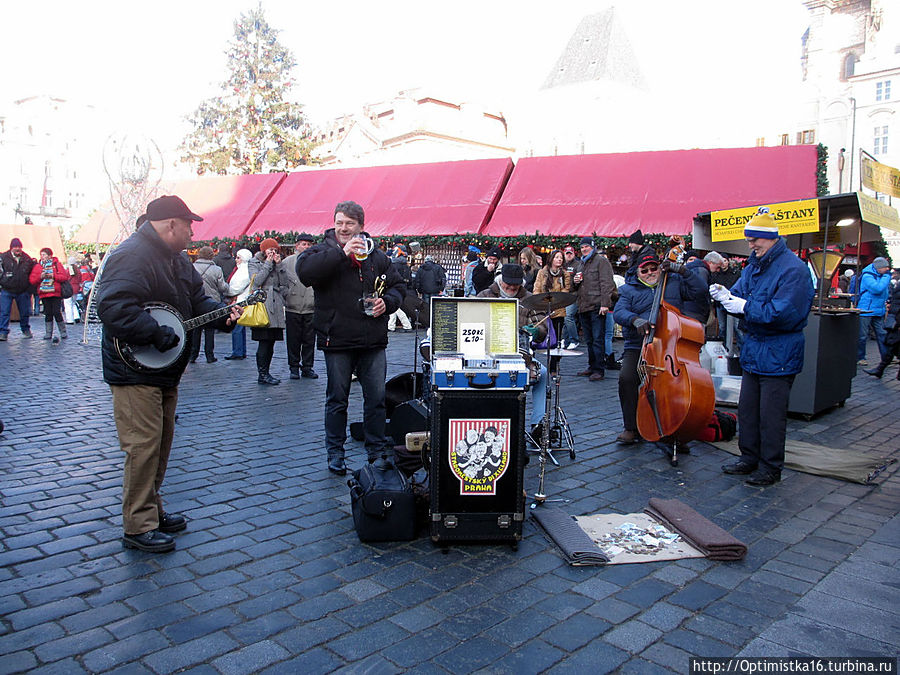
<point x="239" y="289"/>
<point x="48" y="276"/>
<point x="874" y="288"/>
<point x="773" y="297"/>
<point x="632" y="312"/>
<point x="486" y="271"/>
<point x="215" y="287"/>
<point x="267" y="273"/>
<point x="15" y="286"/>
<point x="150" y="266"/>
<point x="355" y="293"/>
<point x="636" y="239"/>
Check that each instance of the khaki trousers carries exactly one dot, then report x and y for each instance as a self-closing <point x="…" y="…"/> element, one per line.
<point x="145" y="422"/>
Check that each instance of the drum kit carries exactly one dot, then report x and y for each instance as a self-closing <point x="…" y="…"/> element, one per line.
<point x="555" y="432"/>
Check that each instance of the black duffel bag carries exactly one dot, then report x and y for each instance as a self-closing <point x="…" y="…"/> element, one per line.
<point x="383" y="504"/>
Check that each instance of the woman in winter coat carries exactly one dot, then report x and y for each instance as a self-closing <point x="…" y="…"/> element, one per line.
<point x="266" y="273"/>
<point x="48" y="274"/>
<point x="530" y="264"/>
<point x="553" y="278"/>
<point x="239" y="289"/>
<point x="215" y="287"/>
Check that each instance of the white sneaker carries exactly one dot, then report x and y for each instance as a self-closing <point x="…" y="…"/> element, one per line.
<point x="572" y="345"/>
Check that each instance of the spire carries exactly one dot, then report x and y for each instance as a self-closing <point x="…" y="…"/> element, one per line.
<point x="598" y="50"/>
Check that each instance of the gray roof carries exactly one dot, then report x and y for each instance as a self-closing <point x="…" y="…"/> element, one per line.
<point x="598" y="50"/>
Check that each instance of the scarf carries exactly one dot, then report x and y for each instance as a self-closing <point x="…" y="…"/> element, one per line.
<point x="47" y="285"/>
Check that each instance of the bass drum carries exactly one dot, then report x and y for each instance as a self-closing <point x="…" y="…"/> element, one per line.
<point x="402" y="388"/>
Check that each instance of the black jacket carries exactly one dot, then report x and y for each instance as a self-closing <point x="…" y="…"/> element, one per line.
<point x="226" y="261"/>
<point x="14" y="274"/>
<point x="698" y="307"/>
<point x="141" y="270"/>
<point x="339" y="283"/>
<point x="401" y="266"/>
<point x="430" y="278"/>
<point x="482" y="278"/>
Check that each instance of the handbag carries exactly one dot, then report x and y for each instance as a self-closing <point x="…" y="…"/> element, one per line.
<point x="549" y="339"/>
<point x="254" y="316"/>
<point x="383" y="504"/>
<point x="66" y="290"/>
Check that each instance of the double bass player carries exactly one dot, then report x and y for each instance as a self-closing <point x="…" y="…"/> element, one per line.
<point x="632" y="312"/>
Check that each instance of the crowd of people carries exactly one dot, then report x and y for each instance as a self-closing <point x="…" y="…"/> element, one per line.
<point x="344" y="293"/>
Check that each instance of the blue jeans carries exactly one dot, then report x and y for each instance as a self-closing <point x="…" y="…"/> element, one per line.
<point x="610" y="331"/>
<point x="370" y="366"/>
<point x="877" y="323"/>
<point x="570" y="330"/>
<point x="239" y="341"/>
<point x="594" y="327"/>
<point x="23" y="301"/>
<point x="539" y="397"/>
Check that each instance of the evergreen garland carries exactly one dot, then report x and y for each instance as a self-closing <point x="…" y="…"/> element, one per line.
<point x="821" y="170"/>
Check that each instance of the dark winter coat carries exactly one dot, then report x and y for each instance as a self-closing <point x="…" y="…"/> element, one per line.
<point x="15" y="275"/>
<point x="144" y="269"/>
<point x="636" y="300"/>
<point x="482" y="277"/>
<point x="401" y="266"/>
<point x="597" y="285"/>
<point x="698" y="308"/>
<point x="226" y="261"/>
<point x="339" y="283"/>
<point x="779" y="295"/>
<point x="430" y="278"/>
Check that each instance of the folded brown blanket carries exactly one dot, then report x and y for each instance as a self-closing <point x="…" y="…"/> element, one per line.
<point x="703" y="534"/>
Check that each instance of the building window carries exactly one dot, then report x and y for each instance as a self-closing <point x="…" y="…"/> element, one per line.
<point x="883" y="90"/>
<point x="880" y="145"/>
<point x="806" y="137"/>
<point x="849" y="66"/>
<point x="761" y="142"/>
<point x="785" y="139"/>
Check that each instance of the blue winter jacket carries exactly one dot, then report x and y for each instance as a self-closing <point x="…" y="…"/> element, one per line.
<point x="874" y="289"/>
<point x="636" y="300"/>
<point x="779" y="295"/>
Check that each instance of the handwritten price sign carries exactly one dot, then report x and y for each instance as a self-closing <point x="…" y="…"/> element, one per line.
<point x="472" y="339"/>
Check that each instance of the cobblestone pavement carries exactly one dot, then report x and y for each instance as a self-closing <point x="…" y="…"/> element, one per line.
<point x="270" y="577"/>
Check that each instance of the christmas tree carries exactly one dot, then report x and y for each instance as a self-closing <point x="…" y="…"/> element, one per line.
<point x="251" y="127"/>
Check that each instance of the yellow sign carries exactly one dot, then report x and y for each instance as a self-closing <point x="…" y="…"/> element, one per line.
<point x="878" y="213"/>
<point x="880" y="177"/>
<point x="791" y="218"/>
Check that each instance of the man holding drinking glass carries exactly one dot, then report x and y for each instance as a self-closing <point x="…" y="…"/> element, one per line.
<point x="356" y="290"/>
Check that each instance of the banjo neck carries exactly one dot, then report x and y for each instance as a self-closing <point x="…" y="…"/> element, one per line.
<point x="203" y="319"/>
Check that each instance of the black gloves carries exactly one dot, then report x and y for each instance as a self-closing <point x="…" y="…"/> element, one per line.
<point x="674" y="267"/>
<point x="165" y="338"/>
<point x="640" y="325"/>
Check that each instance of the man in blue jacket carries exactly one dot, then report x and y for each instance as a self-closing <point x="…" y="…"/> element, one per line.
<point x="773" y="297"/>
<point x="355" y="293"/>
<point x="874" y="288"/>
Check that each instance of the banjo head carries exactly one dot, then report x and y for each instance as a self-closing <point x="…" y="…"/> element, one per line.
<point x="147" y="358"/>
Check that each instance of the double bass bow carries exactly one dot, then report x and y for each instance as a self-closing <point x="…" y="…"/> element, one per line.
<point x="676" y="397"/>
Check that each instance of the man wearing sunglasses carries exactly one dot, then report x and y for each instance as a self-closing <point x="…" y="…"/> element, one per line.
<point x="632" y="312"/>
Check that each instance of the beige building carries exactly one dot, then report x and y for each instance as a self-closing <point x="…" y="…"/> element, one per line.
<point x="411" y="128"/>
<point x="51" y="170"/>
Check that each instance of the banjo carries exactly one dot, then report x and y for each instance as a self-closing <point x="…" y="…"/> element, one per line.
<point x="147" y="358"/>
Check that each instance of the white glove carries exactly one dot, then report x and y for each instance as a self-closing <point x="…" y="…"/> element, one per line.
<point x="719" y="293"/>
<point x="733" y="305"/>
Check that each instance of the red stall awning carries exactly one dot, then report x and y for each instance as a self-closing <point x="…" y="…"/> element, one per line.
<point x="228" y="204"/>
<point x="410" y="199"/>
<point x="656" y="192"/>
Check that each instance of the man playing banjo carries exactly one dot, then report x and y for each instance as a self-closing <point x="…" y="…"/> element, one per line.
<point x="150" y="267"/>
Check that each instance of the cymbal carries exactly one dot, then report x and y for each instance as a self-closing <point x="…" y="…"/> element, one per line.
<point x="548" y="301"/>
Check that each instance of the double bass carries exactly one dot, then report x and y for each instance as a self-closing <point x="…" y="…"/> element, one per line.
<point x="676" y="397"/>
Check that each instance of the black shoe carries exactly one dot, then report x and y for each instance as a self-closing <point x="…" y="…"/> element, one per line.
<point x="153" y="541"/>
<point x="338" y="466"/>
<point x="310" y="373"/>
<point x="612" y="364"/>
<point x="740" y="468"/>
<point x="233" y="357"/>
<point x="172" y="522"/>
<point x="295" y="374"/>
<point x="537" y="434"/>
<point x="762" y="478"/>
<point x="265" y="378"/>
<point x="211" y="359"/>
<point x="877" y="371"/>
